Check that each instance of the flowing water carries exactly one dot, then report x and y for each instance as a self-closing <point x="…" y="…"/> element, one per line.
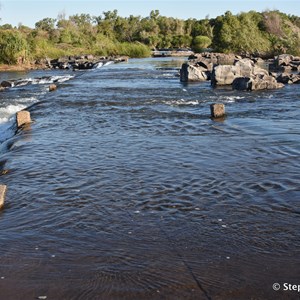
<point x="124" y="188"/>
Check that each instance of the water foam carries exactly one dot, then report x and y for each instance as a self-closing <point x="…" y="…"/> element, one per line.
<point x="181" y="102"/>
<point x="51" y="79"/>
<point x="7" y="111"/>
<point x="230" y="99"/>
<point x="98" y="65"/>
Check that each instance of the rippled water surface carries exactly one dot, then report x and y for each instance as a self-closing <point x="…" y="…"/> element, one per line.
<point x="124" y="188"/>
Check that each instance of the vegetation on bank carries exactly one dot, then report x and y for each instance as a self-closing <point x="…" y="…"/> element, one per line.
<point x="267" y="34"/>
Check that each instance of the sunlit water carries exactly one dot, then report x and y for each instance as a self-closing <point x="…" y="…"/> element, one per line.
<point x="124" y="188"/>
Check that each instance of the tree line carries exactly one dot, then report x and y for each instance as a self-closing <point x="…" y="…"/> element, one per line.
<point x="262" y="33"/>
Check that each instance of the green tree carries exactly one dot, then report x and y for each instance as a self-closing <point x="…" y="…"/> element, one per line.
<point x="47" y="24"/>
<point x="13" y="47"/>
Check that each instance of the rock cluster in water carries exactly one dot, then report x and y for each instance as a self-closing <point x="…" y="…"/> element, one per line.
<point x="82" y="62"/>
<point x="242" y="73"/>
<point x="73" y="63"/>
<point x="6" y="84"/>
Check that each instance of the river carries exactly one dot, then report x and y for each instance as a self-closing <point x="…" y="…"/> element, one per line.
<point x="124" y="188"/>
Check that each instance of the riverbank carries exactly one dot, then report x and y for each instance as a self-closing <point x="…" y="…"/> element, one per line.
<point x="17" y="68"/>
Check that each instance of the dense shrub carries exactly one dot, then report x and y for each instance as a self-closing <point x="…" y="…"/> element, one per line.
<point x="200" y="42"/>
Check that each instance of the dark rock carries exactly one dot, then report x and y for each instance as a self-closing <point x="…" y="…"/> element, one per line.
<point x="242" y="84"/>
<point x="205" y="63"/>
<point x="7" y="83"/>
<point x="84" y="65"/>
<point x="284" y="78"/>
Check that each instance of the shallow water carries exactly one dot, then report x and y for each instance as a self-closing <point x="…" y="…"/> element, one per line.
<point x="124" y="188"/>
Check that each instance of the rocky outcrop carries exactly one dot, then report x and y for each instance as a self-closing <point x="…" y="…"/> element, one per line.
<point x="244" y="75"/>
<point x="80" y="62"/>
<point x="224" y="69"/>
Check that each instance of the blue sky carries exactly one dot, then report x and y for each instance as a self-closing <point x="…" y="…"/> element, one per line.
<point x="29" y="12"/>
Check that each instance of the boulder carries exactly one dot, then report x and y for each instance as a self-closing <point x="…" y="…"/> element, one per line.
<point x="285" y="78"/>
<point x="193" y="73"/>
<point x="259" y="71"/>
<point x="284" y="59"/>
<point x="288" y="78"/>
<point x="225" y="59"/>
<point x="205" y="63"/>
<point x="245" y="62"/>
<point x="285" y="69"/>
<point x="265" y="83"/>
<point x="295" y="65"/>
<point x="7" y="83"/>
<point x="296" y="78"/>
<point x="217" y="110"/>
<point x="224" y="75"/>
<point x="52" y="87"/>
<point x="119" y="59"/>
<point x="23" y="118"/>
<point x="242" y="84"/>
<point x="63" y="59"/>
<point x="43" y="63"/>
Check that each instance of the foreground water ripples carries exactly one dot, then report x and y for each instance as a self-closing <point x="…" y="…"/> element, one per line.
<point x="125" y="188"/>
